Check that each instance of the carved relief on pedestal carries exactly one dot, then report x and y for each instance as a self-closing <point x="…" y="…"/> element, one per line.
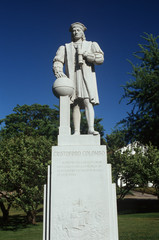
<point x="80" y="222"/>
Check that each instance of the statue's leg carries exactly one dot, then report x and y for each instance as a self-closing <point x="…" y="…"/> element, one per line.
<point x="89" y="110"/>
<point x="76" y="119"/>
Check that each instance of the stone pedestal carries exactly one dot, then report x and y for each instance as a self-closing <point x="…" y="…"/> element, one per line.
<point x="64" y="129"/>
<point x="80" y="200"/>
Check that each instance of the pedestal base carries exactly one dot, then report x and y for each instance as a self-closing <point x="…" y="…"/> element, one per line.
<point x="82" y="205"/>
<point x="78" y="140"/>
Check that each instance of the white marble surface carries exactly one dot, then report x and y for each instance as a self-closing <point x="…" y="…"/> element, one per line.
<point x="63" y="87"/>
<point x="79" y="57"/>
<point x="64" y="128"/>
<point x="79" y="140"/>
<point x="83" y="200"/>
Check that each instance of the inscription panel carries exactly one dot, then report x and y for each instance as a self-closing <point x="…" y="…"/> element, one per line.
<point x="72" y="168"/>
<point x="77" y="153"/>
<point x="73" y="163"/>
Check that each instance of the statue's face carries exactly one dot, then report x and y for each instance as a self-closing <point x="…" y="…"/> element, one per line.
<point x="77" y="33"/>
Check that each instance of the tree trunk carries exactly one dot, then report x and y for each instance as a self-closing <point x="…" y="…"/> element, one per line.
<point x="31" y="217"/>
<point x="5" y="212"/>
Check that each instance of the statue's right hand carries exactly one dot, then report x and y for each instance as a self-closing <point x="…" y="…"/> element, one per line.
<point x="60" y="74"/>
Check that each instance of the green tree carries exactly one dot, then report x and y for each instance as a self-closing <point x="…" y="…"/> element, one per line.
<point x="142" y="92"/>
<point x="34" y="120"/>
<point x="152" y="156"/>
<point x="135" y="171"/>
<point x="129" y="167"/>
<point x="23" y="172"/>
<point x="116" y="140"/>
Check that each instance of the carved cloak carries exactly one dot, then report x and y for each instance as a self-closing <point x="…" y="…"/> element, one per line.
<point x="84" y="78"/>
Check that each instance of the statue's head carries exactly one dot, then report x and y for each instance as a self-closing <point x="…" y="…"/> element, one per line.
<point x="77" y="30"/>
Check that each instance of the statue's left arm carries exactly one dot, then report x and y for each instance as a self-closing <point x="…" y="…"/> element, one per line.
<point x="96" y="56"/>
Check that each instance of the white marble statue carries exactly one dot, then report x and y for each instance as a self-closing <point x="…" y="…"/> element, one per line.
<point x="79" y="57"/>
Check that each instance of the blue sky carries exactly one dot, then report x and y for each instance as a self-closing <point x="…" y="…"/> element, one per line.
<point x="32" y="31"/>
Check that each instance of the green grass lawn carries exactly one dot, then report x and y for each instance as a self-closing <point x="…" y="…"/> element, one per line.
<point x="131" y="227"/>
<point x="18" y="229"/>
<point x="139" y="226"/>
<point x="26" y="233"/>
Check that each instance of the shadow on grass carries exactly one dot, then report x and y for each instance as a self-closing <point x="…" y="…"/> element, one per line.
<point x="128" y="206"/>
<point x="17" y="222"/>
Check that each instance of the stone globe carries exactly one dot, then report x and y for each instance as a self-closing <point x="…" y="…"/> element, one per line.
<point x="63" y="87"/>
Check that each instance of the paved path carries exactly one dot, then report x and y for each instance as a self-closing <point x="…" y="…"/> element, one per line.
<point x="139" y="195"/>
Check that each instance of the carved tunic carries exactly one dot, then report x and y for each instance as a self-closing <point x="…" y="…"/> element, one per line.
<point x="83" y="75"/>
